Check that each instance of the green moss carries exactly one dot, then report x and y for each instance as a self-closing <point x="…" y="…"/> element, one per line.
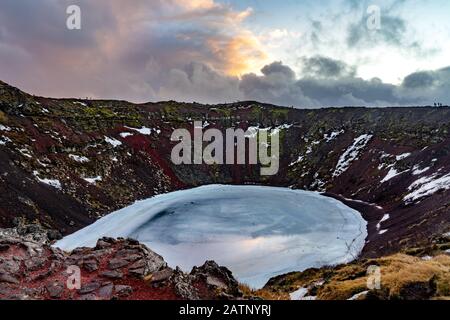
<point x="280" y="113"/>
<point x="256" y="112"/>
<point x="443" y="285"/>
<point x="3" y="117"/>
<point x="99" y="112"/>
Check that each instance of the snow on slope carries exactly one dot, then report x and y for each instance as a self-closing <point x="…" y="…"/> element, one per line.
<point x="402" y="156"/>
<point x="418" y="171"/>
<point x="385" y="217"/>
<point x="113" y="142"/>
<point x="298" y="294"/>
<point x="333" y="135"/>
<point x="392" y="174"/>
<point x="427" y="186"/>
<point x="80" y="159"/>
<point x="51" y="182"/>
<point x="351" y="154"/>
<point x="93" y="180"/>
<point x="258" y="232"/>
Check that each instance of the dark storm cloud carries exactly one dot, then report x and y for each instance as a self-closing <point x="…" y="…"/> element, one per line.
<point x="278" y="68"/>
<point x="343" y="88"/>
<point x="419" y="80"/>
<point x="324" y="67"/>
<point x="428" y="79"/>
<point x="433" y="85"/>
<point x="198" y="82"/>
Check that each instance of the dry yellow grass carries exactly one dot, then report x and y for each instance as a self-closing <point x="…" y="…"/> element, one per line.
<point x="3" y="117"/>
<point x="402" y="276"/>
<point x="403" y="269"/>
<point x="265" y="294"/>
<point x="397" y="272"/>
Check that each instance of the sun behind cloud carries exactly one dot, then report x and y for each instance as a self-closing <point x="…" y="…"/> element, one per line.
<point x="240" y="55"/>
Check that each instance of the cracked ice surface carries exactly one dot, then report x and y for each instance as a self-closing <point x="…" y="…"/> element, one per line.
<point x="257" y="232"/>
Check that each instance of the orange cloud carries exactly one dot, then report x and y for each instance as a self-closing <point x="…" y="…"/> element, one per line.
<point x="239" y="54"/>
<point x="124" y="49"/>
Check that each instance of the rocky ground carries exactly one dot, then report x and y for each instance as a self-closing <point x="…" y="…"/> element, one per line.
<point x="124" y="269"/>
<point x="115" y="269"/>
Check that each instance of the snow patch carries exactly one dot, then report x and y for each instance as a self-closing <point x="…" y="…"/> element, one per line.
<point x="358" y="295"/>
<point x="113" y="142"/>
<point x="417" y="171"/>
<point x="144" y="130"/>
<point x="351" y="154"/>
<point x="80" y="159"/>
<point x="310" y="147"/>
<point x="299" y="160"/>
<point x="392" y="174"/>
<point x="4" y="128"/>
<point x="427" y="186"/>
<point x="307" y="298"/>
<point x="277" y="130"/>
<point x="4" y="140"/>
<point x="333" y="135"/>
<point x="93" y="180"/>
<point x="125" y="134"/>
<point x="385" y="155"/>
<point x="26" y="153"/>
<point x="299" y="294"/>
<point x="385" y="217"/>
<point x="253" y="131"/>
<point x="402" y="156"/>
<point x="51" y="182"/>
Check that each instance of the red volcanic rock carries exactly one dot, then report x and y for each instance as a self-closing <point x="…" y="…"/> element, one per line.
<point x="114" y="269"/>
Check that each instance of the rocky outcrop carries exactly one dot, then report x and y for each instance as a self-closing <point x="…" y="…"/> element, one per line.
<point x="114" y="269"/>
<point x="30" y="232"/>
<point x="217" y="278"/>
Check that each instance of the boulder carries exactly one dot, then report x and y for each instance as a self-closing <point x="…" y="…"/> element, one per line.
<point x="217" y="277"/>
<point x="123" y="291"/>
<point x="55" y="289"/>
<point x="183" y="284"/>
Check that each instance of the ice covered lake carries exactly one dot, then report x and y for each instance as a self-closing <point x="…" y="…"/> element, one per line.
<point x="257" y="232"/>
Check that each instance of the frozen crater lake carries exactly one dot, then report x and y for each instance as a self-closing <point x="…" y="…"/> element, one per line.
<point x="257" y="232"/>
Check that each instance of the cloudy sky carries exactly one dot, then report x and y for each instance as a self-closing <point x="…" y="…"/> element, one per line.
<point x="304" y="53"/>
